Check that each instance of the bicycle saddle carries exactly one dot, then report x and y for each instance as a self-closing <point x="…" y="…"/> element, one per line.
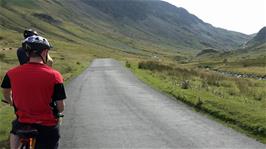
<point x="27" y="133"/>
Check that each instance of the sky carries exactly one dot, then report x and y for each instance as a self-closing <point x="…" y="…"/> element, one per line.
<point x="245" y="16"/>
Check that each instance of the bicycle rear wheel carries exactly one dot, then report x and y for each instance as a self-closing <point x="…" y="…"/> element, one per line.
<point x="24" y="146"/>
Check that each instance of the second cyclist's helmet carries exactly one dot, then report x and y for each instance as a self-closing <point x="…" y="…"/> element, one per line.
<point x="29" y="32"/>
<point x="35" y="44"/>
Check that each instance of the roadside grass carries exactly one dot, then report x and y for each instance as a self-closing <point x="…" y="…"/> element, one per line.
<point x="7" y="115"/>
<point x="240" y="103"/>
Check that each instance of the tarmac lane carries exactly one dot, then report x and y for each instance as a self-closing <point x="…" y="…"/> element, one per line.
<point x="108" y="107"/>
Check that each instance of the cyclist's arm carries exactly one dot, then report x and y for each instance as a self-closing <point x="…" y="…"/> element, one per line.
<point x="59" y="96"/>
<point x="60" y="105"/>
<point x="6" y="85"/>
<point x="7" y="96"/>
<point x="59" y="92"/>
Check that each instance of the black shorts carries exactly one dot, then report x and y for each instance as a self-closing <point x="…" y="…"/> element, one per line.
<point x="47" y="138"/>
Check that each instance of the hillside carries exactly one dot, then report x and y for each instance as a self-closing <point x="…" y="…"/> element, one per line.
<point x="163" y="20"/>
<point x="139" y="27"/>
<point x="260" y="38"/>
<point x="254" y="48"/>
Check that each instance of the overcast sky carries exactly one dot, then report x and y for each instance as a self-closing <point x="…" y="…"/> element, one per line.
<point x="245" y="16"/>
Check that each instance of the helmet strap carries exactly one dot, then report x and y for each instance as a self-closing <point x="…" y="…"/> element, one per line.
<point x="43" y="59"/>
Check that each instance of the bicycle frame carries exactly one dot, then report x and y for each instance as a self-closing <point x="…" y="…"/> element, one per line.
<point x="27" y="138"/>
<point x="28" y="143"/>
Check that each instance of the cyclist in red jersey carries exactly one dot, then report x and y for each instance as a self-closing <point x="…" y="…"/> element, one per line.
<point x="32" y="88"/>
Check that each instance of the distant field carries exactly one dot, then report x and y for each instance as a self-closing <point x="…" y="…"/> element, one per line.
<point x="260" y="71"/>
<point x="255" y="65"/>
<point x="238" y="102"/>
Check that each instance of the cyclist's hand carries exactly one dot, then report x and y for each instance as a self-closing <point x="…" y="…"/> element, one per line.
<point x="6" y="102"/>
<point x="60" y="118"/>
<point x="60" y="115"/>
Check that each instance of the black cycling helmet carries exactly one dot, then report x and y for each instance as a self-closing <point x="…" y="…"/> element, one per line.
<point x="35" y="44"/>
<point x="29" y="32"/>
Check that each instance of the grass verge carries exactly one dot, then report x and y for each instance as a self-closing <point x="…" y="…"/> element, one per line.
<point x="238" y="103"/>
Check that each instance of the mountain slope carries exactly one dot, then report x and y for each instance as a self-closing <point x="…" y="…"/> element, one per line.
<point x="260" y="38"/>
<point x="255" y="47"/>
<point x="250" y="59"/>
<point x="131" y="26"/>
<point x="163" y="20"/>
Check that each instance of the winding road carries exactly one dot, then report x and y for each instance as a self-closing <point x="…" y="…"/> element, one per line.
<point x="108" y="107"/>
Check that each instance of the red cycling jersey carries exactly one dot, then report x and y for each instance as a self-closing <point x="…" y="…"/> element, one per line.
<point x="34" y="86"/>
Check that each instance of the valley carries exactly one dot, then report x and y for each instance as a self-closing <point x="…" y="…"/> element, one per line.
<point x="165" y="46"/>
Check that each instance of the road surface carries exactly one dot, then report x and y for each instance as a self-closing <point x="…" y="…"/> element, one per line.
<point x="108" y="107"/>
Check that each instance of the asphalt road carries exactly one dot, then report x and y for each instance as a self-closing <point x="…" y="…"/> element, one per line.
<point x="108" y="107"/>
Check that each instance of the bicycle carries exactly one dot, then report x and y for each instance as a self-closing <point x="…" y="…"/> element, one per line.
<point x="27" y="137"/>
